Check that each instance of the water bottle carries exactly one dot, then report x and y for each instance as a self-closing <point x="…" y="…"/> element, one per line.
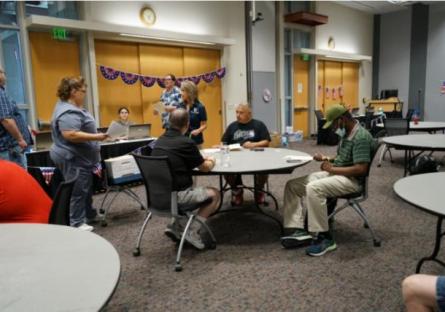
<point x="285" y="139"/>
<point x="225" y="156"/>
<point x="415" y="118"/>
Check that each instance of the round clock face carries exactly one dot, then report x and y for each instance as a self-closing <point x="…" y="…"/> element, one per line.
<point x="148" y="16"/>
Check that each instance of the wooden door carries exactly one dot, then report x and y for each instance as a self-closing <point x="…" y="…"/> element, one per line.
<point x="51" y="61"/>
<point x="115" y="93"/>
<point x="158" y="61"/>
<point x="300" y="94"/>
<point x="197" y="61"/>
<point x="332" y="81"/>
<point x="350" y="73"/>
<point x="320" y="86"/>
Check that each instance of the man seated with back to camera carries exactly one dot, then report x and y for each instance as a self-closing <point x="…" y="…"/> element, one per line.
<point x="338" y="176"/>
<point x="184" y="156"/>
<point x="249" y="133"/>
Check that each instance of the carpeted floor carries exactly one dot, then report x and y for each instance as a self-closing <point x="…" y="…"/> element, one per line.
<point x="250" y="271"/>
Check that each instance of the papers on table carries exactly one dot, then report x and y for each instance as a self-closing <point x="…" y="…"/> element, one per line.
<point x="159" y="107"/>
<point x="210" y="150"/>
<point x="116" y="130"/>
<point x="296" y="158"/>
<point x="235" y="147"/>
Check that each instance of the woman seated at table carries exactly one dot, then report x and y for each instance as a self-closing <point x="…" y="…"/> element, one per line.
<point x="22" y="199"/>
<point x="123" y="120"/>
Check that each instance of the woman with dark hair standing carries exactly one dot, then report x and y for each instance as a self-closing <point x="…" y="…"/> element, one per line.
<point x="75" y="147"/>
<point x="197" y="112"/>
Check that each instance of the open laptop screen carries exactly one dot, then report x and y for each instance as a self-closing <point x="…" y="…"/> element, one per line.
<point x="43" y="141"/>
<point x="139" y="131"/>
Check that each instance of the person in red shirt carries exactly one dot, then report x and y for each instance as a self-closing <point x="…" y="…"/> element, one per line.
<point x="22" y="200"/>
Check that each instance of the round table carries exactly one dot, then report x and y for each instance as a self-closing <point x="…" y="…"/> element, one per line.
<point x="55" y="268"/>
<point x="424" y="191"/>
<point x="412" y="142"/>
<point x="423" y="126"/>
<point x="256" y="161"/>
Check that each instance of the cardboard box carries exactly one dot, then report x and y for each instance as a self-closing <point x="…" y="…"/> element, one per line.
<point x="122" y="169"/>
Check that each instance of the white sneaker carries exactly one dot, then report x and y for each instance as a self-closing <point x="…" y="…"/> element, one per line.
<point x="85" y="227"/>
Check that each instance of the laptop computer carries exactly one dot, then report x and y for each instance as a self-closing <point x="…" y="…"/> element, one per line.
<point x="139" y="131"/>
<point x="43" y="141"/>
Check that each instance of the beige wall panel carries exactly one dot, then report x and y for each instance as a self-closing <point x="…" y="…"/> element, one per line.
<point x="115" y="93"/>
<point x="51" y="61"/>
<point x="198" y="61"/>
<point x="300" y="96"/>
<point x="333" y="79"/>
<point x="350" y="84"/>
<point x="157" y="61"/>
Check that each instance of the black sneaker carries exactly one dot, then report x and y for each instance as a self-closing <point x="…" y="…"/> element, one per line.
<point x="299" y="238"/>
<point x="321" y="246"/>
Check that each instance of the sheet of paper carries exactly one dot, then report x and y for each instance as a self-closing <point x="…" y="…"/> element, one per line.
<point x="116" y="130"/>
<point x="235" y="147"/>
<point x="296" y="157"/>
<point x="159" y="107"/>
<point x="210" y="150"/>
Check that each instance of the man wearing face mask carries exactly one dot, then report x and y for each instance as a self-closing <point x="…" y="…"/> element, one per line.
<point x="338" y="176"/>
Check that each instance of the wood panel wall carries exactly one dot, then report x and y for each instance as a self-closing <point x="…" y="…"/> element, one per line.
<point x="51" y="61"/>
<point x="333" y="75"/>
<point x="301" y="94"/>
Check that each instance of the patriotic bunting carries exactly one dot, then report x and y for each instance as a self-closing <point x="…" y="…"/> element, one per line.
<point x="148" y="81"/>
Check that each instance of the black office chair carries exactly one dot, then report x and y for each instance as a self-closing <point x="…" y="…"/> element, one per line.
<point x="324" y="136"/>
<point x="123" y="187"/>
<point x="162" y="199"/>
<point x="393" y="126"/>
<point x="60" y="209"/>
<point x="51" y="187"/>
<point x="410" y="113"/>
<point x="353" y="200"/>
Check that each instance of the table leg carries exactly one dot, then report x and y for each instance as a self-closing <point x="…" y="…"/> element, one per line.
<point x="433" y="256"/>
<point x="406" y="164"/>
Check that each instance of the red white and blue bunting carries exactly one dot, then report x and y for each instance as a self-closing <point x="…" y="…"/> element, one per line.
<point x="148" y="81"/>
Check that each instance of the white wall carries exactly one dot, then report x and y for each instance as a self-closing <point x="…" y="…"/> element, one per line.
<point x="352" y="31"/>
<point x="395" y="45"/>
<point x="222" y="19"/>
<point x="435" y="69"/>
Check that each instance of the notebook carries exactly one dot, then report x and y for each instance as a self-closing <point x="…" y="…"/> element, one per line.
<point x="43" y="141"/>
<point x="139" y="131"/>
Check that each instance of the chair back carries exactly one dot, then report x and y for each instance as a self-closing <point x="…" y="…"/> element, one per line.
<point x="410" y="113"/>
<point x="158" y="179"/>
<point x="375" y="147"/>
<point x="37" y="174"/>
<point x="319" y="115"/>
<point x="60" y="210"/>
<point x="396" y="126"/>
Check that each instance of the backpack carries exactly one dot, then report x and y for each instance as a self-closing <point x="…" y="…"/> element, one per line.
<point x="423" y="164"/>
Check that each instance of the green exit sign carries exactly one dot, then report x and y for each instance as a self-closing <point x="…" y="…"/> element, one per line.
<point x="305" y="57"/>
<point x="60" y="33"/>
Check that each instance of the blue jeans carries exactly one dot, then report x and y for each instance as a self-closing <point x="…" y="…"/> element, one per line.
<point x="14" y="154"/>
<point x="440" y="293"/>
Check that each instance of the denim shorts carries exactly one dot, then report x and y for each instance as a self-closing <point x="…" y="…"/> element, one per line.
<point x="440" y="293"/>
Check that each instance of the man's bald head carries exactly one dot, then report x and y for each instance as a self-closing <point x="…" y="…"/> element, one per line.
<point x="243" y="113"/>
<point x="179" y="119"/>
<point x="2" y="77"/>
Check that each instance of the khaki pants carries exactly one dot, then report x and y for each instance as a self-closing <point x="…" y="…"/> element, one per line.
<point x="317" y="187"/>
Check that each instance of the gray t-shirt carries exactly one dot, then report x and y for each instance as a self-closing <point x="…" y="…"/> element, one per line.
<point x="69" y="117"/>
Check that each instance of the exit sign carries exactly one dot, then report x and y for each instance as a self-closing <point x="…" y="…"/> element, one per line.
<point x="60" y="33"/>
<point x="305" y="57"/>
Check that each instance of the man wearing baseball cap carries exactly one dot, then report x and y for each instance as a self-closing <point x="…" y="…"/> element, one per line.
<point x="338" y="176"/>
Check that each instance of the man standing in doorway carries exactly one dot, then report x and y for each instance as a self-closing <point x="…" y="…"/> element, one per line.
<point x="14" y="133"/>
<point x="170" y="97"/>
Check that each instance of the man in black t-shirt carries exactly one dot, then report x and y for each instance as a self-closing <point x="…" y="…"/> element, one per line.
<point x="249" y="133"/>
<point x="184" y="156"/>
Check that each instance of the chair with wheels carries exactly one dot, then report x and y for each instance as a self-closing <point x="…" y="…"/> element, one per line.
<point x="393" y="126"/>
<point x="60" y="209"/>
<point x="353" y="200"/>
<point x="162" y="200"/>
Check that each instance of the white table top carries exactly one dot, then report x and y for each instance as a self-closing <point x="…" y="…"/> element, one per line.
<point x="422" y="125"/>
<point x="424" y="191"/>
<point x="417" y="141"/>
<point x="55" y="268"/>
<point x="249" y="161"/>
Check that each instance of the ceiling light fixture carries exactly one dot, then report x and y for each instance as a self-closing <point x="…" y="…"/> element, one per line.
<point x="167" y="39"/>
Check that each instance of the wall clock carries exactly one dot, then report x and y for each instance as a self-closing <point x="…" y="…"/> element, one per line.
<point x="147" y="16"/>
